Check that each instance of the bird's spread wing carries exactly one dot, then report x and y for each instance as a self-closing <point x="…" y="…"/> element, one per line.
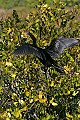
<point x="58" y="45"/>
<point x="27" y="49"/>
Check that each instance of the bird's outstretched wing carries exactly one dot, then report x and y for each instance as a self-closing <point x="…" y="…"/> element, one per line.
<point x="58" y="45"/>
<point x="27" y="49"/>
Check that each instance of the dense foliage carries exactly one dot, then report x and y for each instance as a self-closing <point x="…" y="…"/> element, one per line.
<point x="25" y="93"/>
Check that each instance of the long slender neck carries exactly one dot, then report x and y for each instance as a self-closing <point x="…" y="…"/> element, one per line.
<point x="32" y="37"/>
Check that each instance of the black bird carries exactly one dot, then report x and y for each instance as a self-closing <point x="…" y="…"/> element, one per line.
<point x="55" y="49"/>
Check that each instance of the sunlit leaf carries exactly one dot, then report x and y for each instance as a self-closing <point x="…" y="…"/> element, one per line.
<point x="1" y="89"/>
<point x="17" y="113"/>
<point x="69" y="116"/>
<point x="13" y="75"/>
<point x="22" y="102"/>
<point x="24" y="35"/>
<point x="78" y="55"/>
<point x="51" y="101"/>
<point x="44" y="100"/>
<point x="7" y="118"/>
<point x="9" y="30"/>
<point x="75" y="93"/>
<point x="24" y="108"/>
<point x="40" y="94"/>
<point x="54" y="104"/>
<point x="67" y="69"/>
<point x="9" y="64"/>
<point x="52" y="83"/>
<point x="15" y="103"/>
<point x="79" y="116"/>
<point x="68" y="92"/>
<point x="27" y="93"/>
<point x="44" y="43"/>
<point x="31" y="100"/>
<point x="41" y="100"/>
<point x="14" y="95"/>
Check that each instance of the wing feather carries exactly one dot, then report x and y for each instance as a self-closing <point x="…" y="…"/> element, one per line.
<point x="27" y="49"/>
<point x="58" y="45"/>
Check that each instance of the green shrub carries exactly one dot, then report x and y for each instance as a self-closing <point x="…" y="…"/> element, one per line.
<point x="25" y="93"/>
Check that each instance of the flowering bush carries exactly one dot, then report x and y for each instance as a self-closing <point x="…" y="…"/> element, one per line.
<point x="25" y="93"/>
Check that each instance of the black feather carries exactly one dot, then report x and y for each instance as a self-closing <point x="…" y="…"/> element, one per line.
<point x="56" y="48"/>
<point x="58" y="45"/>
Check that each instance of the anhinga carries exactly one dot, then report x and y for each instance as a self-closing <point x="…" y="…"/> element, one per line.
<point x="55" y="49"/>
